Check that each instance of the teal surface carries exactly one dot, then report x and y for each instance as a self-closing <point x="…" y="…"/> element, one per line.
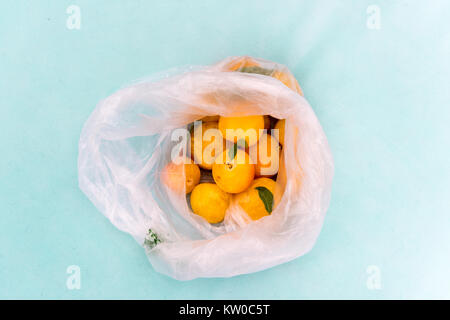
<point x="382" y="96"/>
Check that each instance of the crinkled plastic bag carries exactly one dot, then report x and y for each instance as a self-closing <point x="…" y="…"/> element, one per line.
<point x="127" y="141"/>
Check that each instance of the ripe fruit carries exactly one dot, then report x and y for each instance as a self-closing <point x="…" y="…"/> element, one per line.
<point x="241" y="62"/>
<point x="248" y="128"/>
<point x="247" y="64"/>
<point x="288" y="80"/>
<point x="232" y="171"/>
<point x="172" y="176"/>
<point x="267" y="153"/>
<point x="257" y="200"/>
<point x="210" y="202"/>
<point x="203" y="149"/>
<point x="280" y="126"/>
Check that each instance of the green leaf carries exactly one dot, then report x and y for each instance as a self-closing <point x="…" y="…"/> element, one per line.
<point x="239" y="143"/>
<point x="266" y="197"/>
<point x="232" y="152"/>
<point x="256" y="69"/>
<point x="152" y="239"/>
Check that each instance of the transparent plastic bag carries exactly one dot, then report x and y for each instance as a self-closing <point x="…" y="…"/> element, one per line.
<point x="127" y="141"/>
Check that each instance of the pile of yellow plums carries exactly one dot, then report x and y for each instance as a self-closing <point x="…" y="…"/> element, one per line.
<point x="243" y="166"/>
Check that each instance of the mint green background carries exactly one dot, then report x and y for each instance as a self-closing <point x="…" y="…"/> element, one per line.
<point x="382" y="98"/>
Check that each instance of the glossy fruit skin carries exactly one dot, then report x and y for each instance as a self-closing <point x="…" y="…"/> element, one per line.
<point x="233" y="175"/>
<point x="198" y="145"/>
<point x="280" y="126"/>
<point x="210" y="202"/>
<point x="248" y="124"/>
<point x="172" y="176"/>
<point x="267" y="155"/>
<point x="250" y="201"/>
